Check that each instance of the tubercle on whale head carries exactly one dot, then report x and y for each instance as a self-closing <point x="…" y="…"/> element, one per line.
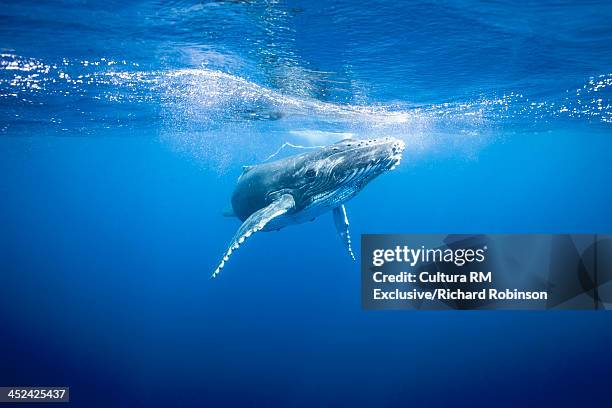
<point x="376" y="155"/>
<point x="397" y="148"/>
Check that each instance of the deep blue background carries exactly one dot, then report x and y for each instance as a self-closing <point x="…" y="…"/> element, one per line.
<point x="108" y="231"/>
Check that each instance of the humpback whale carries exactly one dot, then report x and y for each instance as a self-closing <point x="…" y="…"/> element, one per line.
<point x="296" y="189"/>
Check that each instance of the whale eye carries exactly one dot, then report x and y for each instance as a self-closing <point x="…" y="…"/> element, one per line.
<point x="310" y="173"/>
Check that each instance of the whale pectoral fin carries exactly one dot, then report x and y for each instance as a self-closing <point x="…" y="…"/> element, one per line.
<point x="254" y="223"/>
<point x="342" y="226"/>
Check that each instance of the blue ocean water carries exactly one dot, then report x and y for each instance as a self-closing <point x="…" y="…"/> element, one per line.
<point x="124" y="125"/>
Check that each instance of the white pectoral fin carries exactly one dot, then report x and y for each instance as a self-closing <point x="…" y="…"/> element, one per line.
<point x="254" y="223"/>
<point x="342" y="226"/>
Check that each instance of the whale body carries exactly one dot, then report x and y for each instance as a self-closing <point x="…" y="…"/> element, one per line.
<point x="296" y="189"/>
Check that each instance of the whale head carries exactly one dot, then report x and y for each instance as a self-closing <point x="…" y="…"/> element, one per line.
<point x="341" y="170"/>
<point x="369" y="158"/>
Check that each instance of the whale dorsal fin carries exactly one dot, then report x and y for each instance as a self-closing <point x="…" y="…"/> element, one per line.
<point x="342" y="226"/>
<point x="254" y="223"/>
